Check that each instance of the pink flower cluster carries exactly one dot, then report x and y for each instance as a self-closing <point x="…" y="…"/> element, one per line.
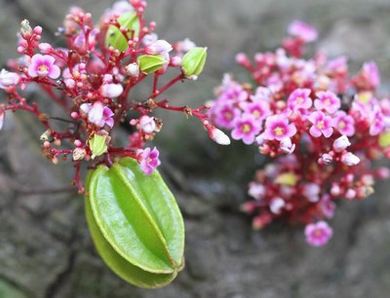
<point x="322" y="127"/>
<point x="92" y="79"/>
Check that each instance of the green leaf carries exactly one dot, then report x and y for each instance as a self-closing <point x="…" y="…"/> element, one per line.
<point x="289" y="179"/>
<point x="150" y="63"/>
<point x="98" y="145"/>
<point x="135" y="223"/>
<point x="384" y="139"/>
<point x="116" y="39"/>
<point x="194" y="61"/>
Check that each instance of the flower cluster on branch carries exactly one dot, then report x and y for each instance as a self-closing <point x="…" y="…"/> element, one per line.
<point x="92" y="79"/>
<point x="321" y="127"/>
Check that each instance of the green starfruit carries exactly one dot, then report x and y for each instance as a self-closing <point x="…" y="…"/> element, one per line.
<point x="194" y="61"/>
<point x="115" y="38"/>
<point x="150" y="63"/>
<point x="135" y="224"/>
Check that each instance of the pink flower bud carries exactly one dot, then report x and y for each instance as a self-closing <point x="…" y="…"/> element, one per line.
<point x="45" y="48"/>
<point x="341" y="143"/>
<point x="111" y="90"/>
<point x="350" y="159"/>
<point x="159" y="47"/>
<point x="147" y="124"/>
<point x="219" y="136"/>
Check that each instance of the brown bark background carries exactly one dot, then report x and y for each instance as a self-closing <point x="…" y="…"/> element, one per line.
<point x="45" y="249"/>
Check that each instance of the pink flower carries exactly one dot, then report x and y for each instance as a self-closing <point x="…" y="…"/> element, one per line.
<point x="377" y="124"/>
<point x="318" y="234"/>
<point x="328" y="101"/>
<point x="111" y="90"/>
<point x="371" y="73"/>
<point x="98" y="114"/>
<point x="246" y="128"/>
<point x="8" y="79"/>
<point x="278" y="128"/>
<point x="299" y="99"/>
<point x="344" y="123"/>
<point x="322" y="125"/>
<point x="276" y="205"/>
<point x="260" y="110"/>
<point x="43" y="66"/>
<point x="303" y="31"/>
<point x="148" y="160"/>
<point x="225" y="115"/>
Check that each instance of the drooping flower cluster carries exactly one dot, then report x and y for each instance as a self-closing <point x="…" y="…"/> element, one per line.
<point x="92" y="79"/>
<point x="322" y="127"/>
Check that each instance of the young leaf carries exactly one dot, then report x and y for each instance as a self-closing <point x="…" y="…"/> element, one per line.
<point x="194" y="61"/>
<point x="136" y="221"/>
<point x="150" y="63"/>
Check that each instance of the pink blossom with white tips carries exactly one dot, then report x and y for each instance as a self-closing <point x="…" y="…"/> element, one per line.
<point x="43" y="66"/>
<point x="350" y="159"/>
<point x="312" y="192"/>
<point x="321" y="125"/>
<point x="149" y="39"/>
<point x="149" y="160"/>
<point x="341" y="143"/>
<point x="8" y="79"/>
<point x="328" y="101"/>
<point x="303" y="31"/>
<point x="111" y="90"/>
<point x="299" y="99"/>
<point x="318" y="234"/>
<point x="98" y="114"/>
<point x="344" y="123"/>
<point x="147" y="124"/>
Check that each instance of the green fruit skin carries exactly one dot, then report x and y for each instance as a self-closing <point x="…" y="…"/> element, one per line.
<point x="135" y="223"/>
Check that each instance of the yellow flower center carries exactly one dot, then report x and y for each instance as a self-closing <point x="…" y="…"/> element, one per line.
<point x="42" y="68"/>
<point x="320" y="124"/>
<point x="279" y="131"/>
<point x="342" y="124"/>
<point x="246" y="128"/>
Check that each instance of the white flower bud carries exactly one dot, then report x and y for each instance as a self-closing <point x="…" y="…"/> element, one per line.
<point x="350" y="159"/>
<point x="111" y="90"/>
<point x="276" y="205"/>
<point x="219" y="137"/>
<point x="133" y="70"/>
<point x="341" y="143"/>
<point x="147" y="124"/>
